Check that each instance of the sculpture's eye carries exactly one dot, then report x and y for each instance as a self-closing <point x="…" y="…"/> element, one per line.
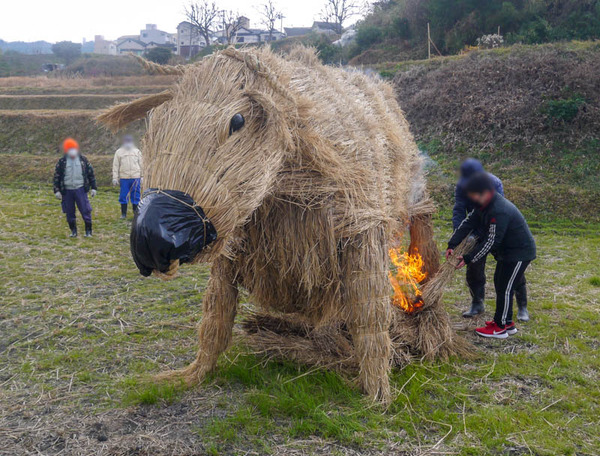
<point x="237" y="122"/>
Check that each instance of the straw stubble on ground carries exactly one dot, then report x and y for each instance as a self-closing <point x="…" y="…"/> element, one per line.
<point x="82" y="334"/>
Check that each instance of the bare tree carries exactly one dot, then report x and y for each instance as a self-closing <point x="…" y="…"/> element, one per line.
<point x="338" y="11"/>
<point x="232" y="23"/>
<point x="269" y="13"/>
<point x="203" y="17"/>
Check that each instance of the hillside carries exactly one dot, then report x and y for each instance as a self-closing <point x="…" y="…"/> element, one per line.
<point x="530" y="113"/>
<point x="397" y="29"/>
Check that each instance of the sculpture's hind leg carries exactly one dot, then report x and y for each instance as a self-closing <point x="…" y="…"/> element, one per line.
<point x="367" y="300"/>
<point x="215" y="329"/>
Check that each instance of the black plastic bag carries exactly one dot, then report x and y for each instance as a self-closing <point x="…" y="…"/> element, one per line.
<point x="168" y="226"/>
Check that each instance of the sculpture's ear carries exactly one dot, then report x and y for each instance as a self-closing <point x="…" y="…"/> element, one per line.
<point x="270" y="114"/>
<point x="122" y="114"/>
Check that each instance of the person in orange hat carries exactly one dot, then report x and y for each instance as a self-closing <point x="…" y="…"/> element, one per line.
<point x="73" y="180"/>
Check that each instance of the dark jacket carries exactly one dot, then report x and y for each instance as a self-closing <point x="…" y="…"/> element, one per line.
<point x="508" y="237"/>
<point x="462" y="204"/>
<point x="89" y="180"/>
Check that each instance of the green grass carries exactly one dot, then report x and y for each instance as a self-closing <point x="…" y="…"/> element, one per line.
<point x="82" y="329"/>
<point x="151" y="393"/>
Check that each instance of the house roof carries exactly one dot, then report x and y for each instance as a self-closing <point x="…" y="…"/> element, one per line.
<point x="127" y="37"/>
<point x="155" y="44"/>
<point x="324" y="25"/>
<point x="133" y="40"/>
<point x="297" y="31"/>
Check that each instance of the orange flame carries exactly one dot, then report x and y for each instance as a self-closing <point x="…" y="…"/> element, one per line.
<point x="405" y="279"/>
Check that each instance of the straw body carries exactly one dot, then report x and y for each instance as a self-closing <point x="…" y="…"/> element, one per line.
<point x="306" y="197"/>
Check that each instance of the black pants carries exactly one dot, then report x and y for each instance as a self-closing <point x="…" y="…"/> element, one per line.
<point x="507" y="275"/>
<point x="476" y="283"/>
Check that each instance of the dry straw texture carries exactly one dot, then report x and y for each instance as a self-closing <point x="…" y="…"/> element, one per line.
<point x="306" y="197"/>
<point x="425" y="334"/>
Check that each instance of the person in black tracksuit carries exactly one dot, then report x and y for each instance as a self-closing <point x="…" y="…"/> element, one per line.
<point x="507" y="237"/>
<point x="476" y="271"/>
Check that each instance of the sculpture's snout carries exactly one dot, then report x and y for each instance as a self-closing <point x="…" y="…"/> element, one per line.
<point x="168" y="226"/>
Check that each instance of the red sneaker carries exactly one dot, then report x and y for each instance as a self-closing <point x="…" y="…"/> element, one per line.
<point x="492" y="330"/>
<point x="511" y="329"/>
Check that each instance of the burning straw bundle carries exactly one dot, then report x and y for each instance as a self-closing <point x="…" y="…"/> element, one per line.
<point x="425" y="333"/>
<point x="428" y="331"/>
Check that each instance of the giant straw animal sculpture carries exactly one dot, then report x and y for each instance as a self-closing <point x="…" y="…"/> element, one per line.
<point x="306" y="173"/>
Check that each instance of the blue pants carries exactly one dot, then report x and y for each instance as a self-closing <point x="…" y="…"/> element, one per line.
<point x="78" y="197"/>
<point x="130" y="191"/>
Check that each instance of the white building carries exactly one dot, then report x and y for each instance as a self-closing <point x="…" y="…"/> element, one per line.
<point x="151" y="34"/>
<point x="245" y="34"/>
<point x="102" y="46"/>
<point x="189" y="40"/>
<point x="248" y="35"/>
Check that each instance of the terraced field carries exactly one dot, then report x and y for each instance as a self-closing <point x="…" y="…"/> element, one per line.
<point x="36" y="114"/>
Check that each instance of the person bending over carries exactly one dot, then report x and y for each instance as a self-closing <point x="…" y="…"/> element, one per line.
<point x="507" y="237"/>
<point x="476" y="271"/>
<point x="73" y="180"/>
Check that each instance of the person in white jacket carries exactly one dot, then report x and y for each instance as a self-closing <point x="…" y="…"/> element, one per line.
<point x="127" y="172"/>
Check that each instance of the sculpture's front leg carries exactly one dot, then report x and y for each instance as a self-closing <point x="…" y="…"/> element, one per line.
<point x="215" y="329"/>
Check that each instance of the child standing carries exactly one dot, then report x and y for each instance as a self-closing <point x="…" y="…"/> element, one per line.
<point x="73" y="180"/>
<point x="507" y="237"/>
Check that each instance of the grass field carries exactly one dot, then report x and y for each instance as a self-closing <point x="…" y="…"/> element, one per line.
<point x="83" y="333"/>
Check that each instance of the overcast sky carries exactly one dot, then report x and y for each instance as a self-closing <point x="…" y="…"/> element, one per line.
<point x="73" y="20"/>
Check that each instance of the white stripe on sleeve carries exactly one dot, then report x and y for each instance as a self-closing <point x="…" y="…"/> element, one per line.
<point x="488" y="244"/>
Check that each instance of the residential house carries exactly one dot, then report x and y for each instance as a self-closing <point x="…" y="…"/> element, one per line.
<point x="102" y="46"/>
<point x="189" y="40"/>
<point x="245" y="34"/>
<point x="130" y="45"/>
<point x="248" y="35"/>
<point x="151" y="34"/>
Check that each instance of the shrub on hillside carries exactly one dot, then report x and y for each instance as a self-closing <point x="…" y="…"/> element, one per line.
<point x="368" y="35"/>
<point x="160" y="55"/>
<point x="563" y="110"/>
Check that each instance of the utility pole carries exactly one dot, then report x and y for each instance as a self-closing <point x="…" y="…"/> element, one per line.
<point x="280" y="16"/>
<point x="428" y="42"/>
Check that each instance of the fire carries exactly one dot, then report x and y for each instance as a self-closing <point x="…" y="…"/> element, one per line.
<point x="405" y="279"/>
